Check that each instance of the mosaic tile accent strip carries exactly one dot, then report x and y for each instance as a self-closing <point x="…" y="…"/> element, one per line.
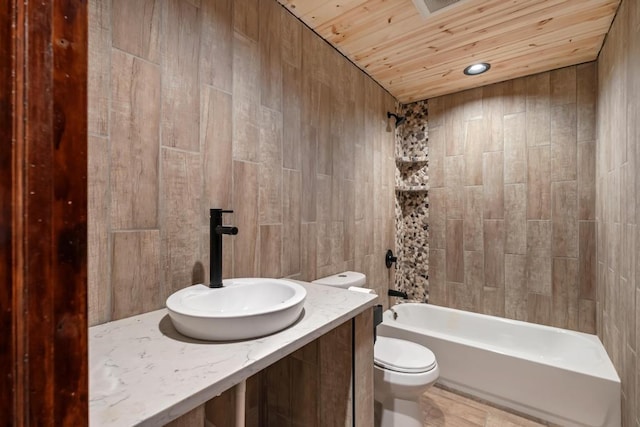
<point x="412" y="203"/>
<point x="414" y="133"/>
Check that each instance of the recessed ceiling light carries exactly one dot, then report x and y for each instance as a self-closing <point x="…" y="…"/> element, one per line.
<point x="476" y="69"/>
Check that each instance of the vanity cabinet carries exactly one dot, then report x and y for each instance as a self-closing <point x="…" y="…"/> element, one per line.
<point x="328" y="382"/>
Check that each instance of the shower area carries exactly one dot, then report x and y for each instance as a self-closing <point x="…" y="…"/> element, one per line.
<point x="412" y="201"/>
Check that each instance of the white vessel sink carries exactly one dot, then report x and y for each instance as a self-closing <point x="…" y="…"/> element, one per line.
<point x="241" y="309"/>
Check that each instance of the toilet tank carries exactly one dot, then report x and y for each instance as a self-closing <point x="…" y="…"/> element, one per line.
<point x="343" y="280"/>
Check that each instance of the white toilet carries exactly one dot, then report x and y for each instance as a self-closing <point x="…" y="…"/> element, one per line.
<point x="403" y="370"/>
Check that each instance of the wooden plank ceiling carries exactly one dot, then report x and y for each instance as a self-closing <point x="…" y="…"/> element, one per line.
<point x="416" y="58"/>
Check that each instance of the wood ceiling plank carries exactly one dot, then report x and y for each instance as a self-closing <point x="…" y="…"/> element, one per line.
<point x="413" y="91"/>
<point x="399" y="35"/>
<point x="533" y="37"/>
<point x="458" y="86"/>
<point x="417" y="58"/>
<point x="453" y="70"/>
<point x="510" y="29"/>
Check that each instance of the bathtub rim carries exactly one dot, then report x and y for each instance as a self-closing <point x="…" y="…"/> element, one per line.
<point x="610" y="375"/>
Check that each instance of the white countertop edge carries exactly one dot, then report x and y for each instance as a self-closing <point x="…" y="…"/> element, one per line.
<point x="325" y="309"/>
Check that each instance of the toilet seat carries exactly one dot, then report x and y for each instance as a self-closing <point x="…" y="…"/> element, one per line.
<point x="402" y="356"/>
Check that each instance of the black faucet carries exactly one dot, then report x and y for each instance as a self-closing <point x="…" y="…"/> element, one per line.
<point x="397" y="294"/>
<point x="215" y="244"/>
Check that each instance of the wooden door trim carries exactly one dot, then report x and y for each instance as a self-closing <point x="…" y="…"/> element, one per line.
<point x="43" y="211"/>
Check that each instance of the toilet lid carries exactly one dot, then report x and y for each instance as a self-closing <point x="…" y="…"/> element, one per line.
<point x="402" y="356"/>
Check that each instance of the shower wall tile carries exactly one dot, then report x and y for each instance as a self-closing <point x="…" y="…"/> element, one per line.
<point x="564" y="223"/>
<point x="454" y="175"/>
<point x="99" y="68"/>
<point x="493" y="185"/>
<point x="291" y="116"/>
<point x="308" y="254"/>
<point x="270" y="54"/>
<point x="474" y="138"/>
<point x="493" y="116"/>
<point x="564" y="292"/>
<point x="292" y="195"/>
<point x="474" y="270"/>
<point x="538" y="182"/>
<point x="216" y="44"/>
<point x="309" y="173"/>
<point x="135" y="120"/>
<point x="436" y="112"/>
<point x="472" y="228"/>
<point x="323" y="245"/>
<point x="245" y="206"/>
<point x="515" y="219"/>
<point x="493" y="301"/>
<point x="539" y="308"/>
<point x="515" y="286"/>
<point x="515" y="148"/>
<point x="217" y="145"/>
<point x="436" y="156"/>
<point x="530" y="207"/>
<point x="180" y="75"/>
<point x="246" y="97"/>
<point x="270" y="251"/>
<point x="563" y="86"/>
<point x="614" y="236"/>
<point x="538" y="109"/>
<point x="135" y="277"/>
<point x="587" y="87"/>
<point x="515" y="96"/>
<point x="437" y="218"/>
<point x="322" y="107"/>
<point x="563" y="143"/>
<point x="455" y="252"/>
<point x="291" y="39"/>
<point x="270" y="175"/>
<point x="99" y="296"/>
<point x="136" y="28"/>
<point x="454" y="125"/>
<point x="181" y="197"/>
<point x="461" y="297"/>
<point x="473" y="103"/>
<point x="246" y="18"/>
<point x="494" y="253"/>
<point x="437" y="280"/>
<point x="337" y="242"/>
<point x="539" y="257"/>
<point x="587" y="180"/>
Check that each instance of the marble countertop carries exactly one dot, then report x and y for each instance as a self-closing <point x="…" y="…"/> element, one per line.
<point x="143" y="372"/>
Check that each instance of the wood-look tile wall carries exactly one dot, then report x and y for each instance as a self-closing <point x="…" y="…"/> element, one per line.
<point x="617" y="203"/>
<point x="512" y="199"/>
<point x="232" y="104"/>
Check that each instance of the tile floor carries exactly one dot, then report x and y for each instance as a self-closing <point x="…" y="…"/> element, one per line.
<point x="443" y="408"/>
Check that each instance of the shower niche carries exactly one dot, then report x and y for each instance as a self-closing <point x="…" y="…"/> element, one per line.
<point x="412" y="202"/>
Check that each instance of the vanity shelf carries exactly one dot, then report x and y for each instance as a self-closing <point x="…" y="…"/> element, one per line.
<point x="412" y="188"/>
<point x="411" y="160"/>
<point x="143" y="372"/>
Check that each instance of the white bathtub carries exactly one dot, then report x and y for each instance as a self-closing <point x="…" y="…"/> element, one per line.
<point x="556" y="375"/>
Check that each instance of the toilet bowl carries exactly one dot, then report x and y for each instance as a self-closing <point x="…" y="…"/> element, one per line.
<point x="403" y="370"/>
